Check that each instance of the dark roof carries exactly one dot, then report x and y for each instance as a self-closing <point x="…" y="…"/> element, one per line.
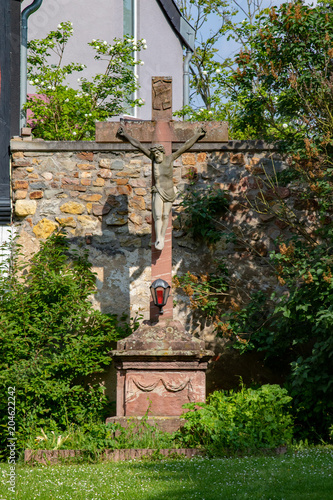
<point x="182" y="28"/>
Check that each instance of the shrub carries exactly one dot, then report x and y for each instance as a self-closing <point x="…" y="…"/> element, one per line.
<point x="250" y="419"/>
<point x="51" y="339"/>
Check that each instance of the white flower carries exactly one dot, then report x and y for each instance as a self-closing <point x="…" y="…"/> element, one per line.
<point x="93" y="40"/>
<point x="201" y="109"/>
<point x="141" y="63"/>
<point x="31" y="82"/>
<point x="49" y="87"/>
<point x="53" y="88"/>
<point x="210" y="112"/>
<point x="67" y="100"/>
<point x="97" y="47"/>
<point x="144" y="41"/>
<point x="71" y="24"/>
<point x="204" y="72"/>
<point x="136" y="76"/>
<point x="74" y="133"/>
<point x="59" y="26"/>
<point x="105" y="42"/>
<point x="85" y="114"/>
<point x="36" y="81"/>
<point x="82" y="66"/>
<point x="90" y="114"/>
<point x="284" y="125"/>
<point x="79" y="79"/>
<point x="145" y="46"/>
<point x="218" y="71"/>
<point x="141" y="101"/>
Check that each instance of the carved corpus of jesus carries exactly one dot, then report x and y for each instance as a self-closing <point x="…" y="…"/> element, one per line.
<point x="164" y="192"/>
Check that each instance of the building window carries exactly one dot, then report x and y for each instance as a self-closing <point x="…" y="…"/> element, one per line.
<point x="128" y="9"/>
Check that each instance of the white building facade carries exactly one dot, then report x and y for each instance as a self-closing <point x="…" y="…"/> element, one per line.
<point x="159" y="22"/>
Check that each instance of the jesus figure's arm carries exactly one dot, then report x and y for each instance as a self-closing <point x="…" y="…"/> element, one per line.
<point x="188" y="144"/>
<point x="137" y="144"/>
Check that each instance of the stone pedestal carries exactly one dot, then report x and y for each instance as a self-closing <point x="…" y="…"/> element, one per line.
<point x="160" y="367"/>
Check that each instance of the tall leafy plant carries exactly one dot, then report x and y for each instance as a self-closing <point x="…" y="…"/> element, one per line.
<point x="52" y="341"/>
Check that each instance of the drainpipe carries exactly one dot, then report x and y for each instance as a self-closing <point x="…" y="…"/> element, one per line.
<point x="186" y="79"/>
<point x="23" y="65"/>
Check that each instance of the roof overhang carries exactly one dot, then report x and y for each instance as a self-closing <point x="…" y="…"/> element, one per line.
<point x="179" y="24"/>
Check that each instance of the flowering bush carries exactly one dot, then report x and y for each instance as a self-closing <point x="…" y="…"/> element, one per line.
<point x="60" y="112"/>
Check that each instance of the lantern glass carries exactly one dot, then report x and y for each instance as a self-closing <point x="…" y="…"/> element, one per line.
<point x="160" y="291"/>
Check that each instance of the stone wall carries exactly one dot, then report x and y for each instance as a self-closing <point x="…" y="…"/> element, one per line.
<point x="100" y="193"/>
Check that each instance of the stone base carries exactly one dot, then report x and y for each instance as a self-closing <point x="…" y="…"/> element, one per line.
<point x="165" y="424"/>
<point x="160" y="368"/>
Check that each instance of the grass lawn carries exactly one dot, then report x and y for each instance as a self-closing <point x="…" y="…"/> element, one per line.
<point x="307" y="474"/>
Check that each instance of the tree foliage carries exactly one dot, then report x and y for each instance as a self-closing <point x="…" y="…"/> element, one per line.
<point x="216" y="24"/>
<point x="60" y="112"/>
<point x="282" y="90"/>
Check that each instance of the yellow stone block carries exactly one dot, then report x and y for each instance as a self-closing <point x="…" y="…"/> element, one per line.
<point x="44" y="228"/>
<point x="72" y="207"/>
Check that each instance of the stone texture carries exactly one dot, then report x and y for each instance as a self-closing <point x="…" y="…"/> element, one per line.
<point x="20" y="194"/>
<point x="66" y="221"/>
<point x="99" y="182"/>
<point x="25" y="207"/>
<point x="116" y="220"/>
<point x="188" y="159"/>
<point x="72" y="207"/>
<point x="44" y="228"/>
<point x="137" y="203"/>
<point x="36" y="195"/>
<point x="101" y="209"/>
<point x="87" y="221"/>
<point x="104" y="173"/>
<point x="85" y="166"/>
<point x="20" y="185"/>
<point x="86" y="156"/>
<point x="90" y="197"/>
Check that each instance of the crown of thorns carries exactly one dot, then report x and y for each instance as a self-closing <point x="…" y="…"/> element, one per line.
<point x="157" y="147"/>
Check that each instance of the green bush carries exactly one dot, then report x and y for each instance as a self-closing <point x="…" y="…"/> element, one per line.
<point x="247" y="420"/>
<point x="52" y="341"/>
<point x="203" y="208"/>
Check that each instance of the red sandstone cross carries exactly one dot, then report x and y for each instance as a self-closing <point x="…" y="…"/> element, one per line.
<point x="161" y="130"/>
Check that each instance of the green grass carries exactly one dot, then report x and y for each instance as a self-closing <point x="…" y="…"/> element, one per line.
<point x="307" y="474"/>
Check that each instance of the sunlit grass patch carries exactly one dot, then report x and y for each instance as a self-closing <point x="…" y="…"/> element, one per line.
<point x="306" y="474"/>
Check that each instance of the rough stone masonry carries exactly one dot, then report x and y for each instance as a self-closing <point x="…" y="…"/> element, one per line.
<point x="101" y="196"/>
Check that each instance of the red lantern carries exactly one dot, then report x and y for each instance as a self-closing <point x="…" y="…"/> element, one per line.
<point x="160" y="291"/>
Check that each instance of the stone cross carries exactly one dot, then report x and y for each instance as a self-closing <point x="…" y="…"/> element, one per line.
<point x="163" y="131"/>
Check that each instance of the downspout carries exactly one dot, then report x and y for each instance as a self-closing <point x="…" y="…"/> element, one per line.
<point x="23" y="65"/>
<point x="186" y="79"/>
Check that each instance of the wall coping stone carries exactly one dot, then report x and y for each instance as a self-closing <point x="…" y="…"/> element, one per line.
<point x="73" y="146"/>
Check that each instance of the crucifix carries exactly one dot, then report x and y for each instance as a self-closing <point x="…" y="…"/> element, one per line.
<point x="161" y="133"/>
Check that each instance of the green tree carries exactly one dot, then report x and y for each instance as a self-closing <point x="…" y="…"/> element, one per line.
<point x="282" y="87"/>
<point x="60" y="112"/>
<point x="283" y="80"/>
<point x="215" y="23"/>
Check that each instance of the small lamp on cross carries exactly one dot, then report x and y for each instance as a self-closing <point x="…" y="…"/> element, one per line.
<point x="160" y="292"/>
